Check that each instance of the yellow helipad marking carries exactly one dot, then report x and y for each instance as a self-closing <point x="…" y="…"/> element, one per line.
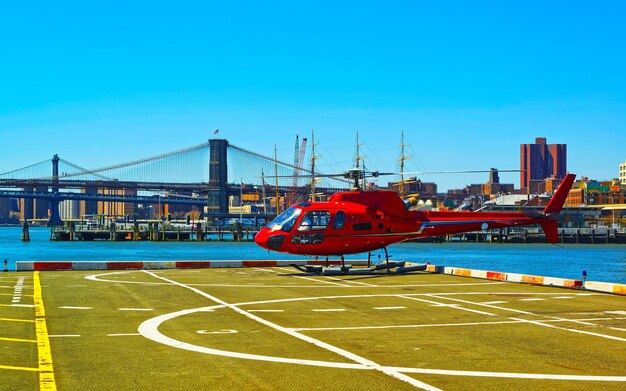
<point x="46" y="370"/>
<point x="19" y="368"/>
<point x="17" y="320"/>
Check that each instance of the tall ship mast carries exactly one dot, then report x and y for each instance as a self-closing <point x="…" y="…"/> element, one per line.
<point x="402" y="159"/>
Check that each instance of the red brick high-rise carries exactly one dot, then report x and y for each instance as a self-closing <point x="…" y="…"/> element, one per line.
<point x="539" y="161"/>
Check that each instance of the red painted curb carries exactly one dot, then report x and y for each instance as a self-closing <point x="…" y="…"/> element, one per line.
<point x="496" y="276"/>
<point x="52" y="266"/>
<point x="192" y="264"/>
<point x="258" y="263"/>
<point x="124" y="265"/>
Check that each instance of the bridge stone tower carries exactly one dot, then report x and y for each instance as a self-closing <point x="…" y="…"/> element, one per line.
<point x="218" y="176"/>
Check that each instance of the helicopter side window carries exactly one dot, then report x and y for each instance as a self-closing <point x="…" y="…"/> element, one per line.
<point x="362" y="226"/>
<point x="286" y="220"/>
<point x="315" y="220"/>
<point x="340" y="220"/>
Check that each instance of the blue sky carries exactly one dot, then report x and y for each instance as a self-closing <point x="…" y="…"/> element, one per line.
<point x="102" y="83"/>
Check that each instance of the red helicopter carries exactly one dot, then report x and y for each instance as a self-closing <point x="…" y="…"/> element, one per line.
<point x="364" y="221"/>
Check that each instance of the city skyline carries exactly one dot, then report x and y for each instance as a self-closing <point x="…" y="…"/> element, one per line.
<point x="103" y="85"/>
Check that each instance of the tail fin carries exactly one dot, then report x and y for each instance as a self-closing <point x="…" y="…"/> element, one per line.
<point x="550" y="230"/>
<point x="558" y="199"/>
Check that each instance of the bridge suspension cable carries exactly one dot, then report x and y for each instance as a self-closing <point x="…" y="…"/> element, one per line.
<point x="184" y="165"/>
<point x="34" y="170"/>
<point x="82" y="170"/>
<point x="248" y="165"/>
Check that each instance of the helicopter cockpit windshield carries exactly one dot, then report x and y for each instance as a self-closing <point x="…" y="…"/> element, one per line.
<point x="286" y="220"/>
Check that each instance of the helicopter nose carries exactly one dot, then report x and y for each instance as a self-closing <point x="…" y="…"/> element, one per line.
<point x="268" y="241"/>
<point x="261" y="238"/>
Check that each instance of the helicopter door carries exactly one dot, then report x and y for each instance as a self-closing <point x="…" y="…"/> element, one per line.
<point x="340" y="220"/>
<point x="312" y="227"/>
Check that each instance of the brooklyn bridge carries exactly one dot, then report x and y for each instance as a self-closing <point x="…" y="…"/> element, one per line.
<point x="207" y="177"/>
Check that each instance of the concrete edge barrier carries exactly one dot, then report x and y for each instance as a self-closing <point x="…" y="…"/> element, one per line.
<point x="157" y="265"/>
<point x="527" y="279"/>
<point x="89" y="266"/>
<point x="606" y="287"/>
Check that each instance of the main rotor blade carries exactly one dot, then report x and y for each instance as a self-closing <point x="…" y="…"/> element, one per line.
<point x="343" y="175"/>
<point x="441" y="172"/>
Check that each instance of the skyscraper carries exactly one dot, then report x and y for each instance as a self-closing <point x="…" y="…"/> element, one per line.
<point x="540" y="160"/>
<point x="622" y="173"/>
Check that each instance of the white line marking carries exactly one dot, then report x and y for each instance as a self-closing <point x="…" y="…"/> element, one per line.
<point x="266" y="310"/>
<point x="389" y="308"/>
<point x="349" y="281"/>
<point x="329" y="310"/>
<point x="76" y="308"/>
<point x="136" y="309"/>
<point x="97" y="277"/>
<point x="538" y="322"/>
<point x="513" y="375"/>
<point x="217" y="332"/>
<point x="409" y="326"/>
<point x="22" y="305"/>
<point x="64" y="336"/>
<point x="534" y="299"/>
<point x="318" y="279"/>
<point x="615" y="312"/>
<point x="17" y="290"/>
<point x="563" y="297"/>
<point x="436" y="304"/>
<point x="571" y="330"/>
<point x="361" y="360"/>
<point x="417" y="326"/>
<point x="149" y="329"/>
<point x="123" y="335"/>
<point x="479" y="304"/>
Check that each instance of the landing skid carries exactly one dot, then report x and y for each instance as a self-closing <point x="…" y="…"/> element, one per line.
<point x="379" y="269"/>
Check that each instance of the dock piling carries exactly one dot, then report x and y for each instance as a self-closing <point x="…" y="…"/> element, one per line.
<point x="25" y="232"/>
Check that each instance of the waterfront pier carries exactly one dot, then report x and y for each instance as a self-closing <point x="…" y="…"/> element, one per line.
<point x="152" y="231"/>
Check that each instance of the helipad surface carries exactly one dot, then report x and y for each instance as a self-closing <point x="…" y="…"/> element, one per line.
<point x="276" y="328"/>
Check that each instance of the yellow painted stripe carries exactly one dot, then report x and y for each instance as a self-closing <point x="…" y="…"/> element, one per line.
<point x="46" y="370"/>
<point x="19" y="368"/>
<point x="17" y="340"/>
<point x="17" y="320"/>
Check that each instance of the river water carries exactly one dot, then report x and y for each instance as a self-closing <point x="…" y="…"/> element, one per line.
<point x="602" y="262"/>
